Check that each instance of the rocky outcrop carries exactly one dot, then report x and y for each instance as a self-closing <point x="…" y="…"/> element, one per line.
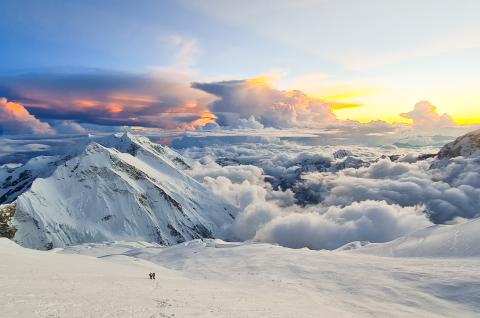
<point x="464" y="146"/>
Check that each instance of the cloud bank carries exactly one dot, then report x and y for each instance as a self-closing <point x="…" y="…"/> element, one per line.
<point x="297" y="194"/>
<point x="162" y="99"/>
<point x="274" y="216"/>
<point x="373" y="221"/>
<point x="166" y="98"/>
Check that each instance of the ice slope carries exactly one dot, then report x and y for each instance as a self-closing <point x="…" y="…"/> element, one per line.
<point x="460" y="240"/>
<point x="217" y="279"/>
<point x="132" y="190"/>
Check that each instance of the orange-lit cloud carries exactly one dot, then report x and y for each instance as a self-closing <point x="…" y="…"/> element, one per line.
<point x="115" y="108"/>
<point x="86" y="103"/>
<point x="256" y="99"/>
<point x="15" y="119"/>
<point x="205" y="119"/>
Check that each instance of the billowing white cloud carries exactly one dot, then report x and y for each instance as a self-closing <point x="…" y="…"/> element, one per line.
<point x="15" y="119"/>
<point x="298" y="192"/>
<point x="69" y="127"/>
<point x="373" y="221"/>
<point x="247" y="99"/>
<point x="274" y="216"/>
<point x="425" y="115"/>
<point x="447" y="190"/>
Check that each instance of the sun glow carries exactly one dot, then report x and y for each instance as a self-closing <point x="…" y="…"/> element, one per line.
<point x="264" y="80"/>
<point x="205" y="119"/>
<point x="16" y="109"/>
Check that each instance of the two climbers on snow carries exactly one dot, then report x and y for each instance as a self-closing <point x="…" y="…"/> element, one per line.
<point x="151" y="275"/>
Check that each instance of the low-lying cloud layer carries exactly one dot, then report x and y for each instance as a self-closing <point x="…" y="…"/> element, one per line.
<point x="317" y="189"/>
<point x="298" y="195"/>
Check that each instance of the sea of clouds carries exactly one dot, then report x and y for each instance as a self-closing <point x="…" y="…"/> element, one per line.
<point x="305" y="191"/>
<point x="315" y="188"/>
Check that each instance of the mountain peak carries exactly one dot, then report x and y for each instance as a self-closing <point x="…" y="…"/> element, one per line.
<point x="118" y="187"/>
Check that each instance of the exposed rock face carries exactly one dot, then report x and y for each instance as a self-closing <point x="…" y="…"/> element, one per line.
<point x="342" y="153"/>
<point x="119" y="187"/>
<point x="7" y="212"/>
<point x="464" y="146"/>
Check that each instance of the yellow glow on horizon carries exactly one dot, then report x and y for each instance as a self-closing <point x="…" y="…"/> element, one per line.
<point x="467" y="121"/>
<point x="381" y="98"/>
<point x="343" y="92"/>
<point x="263" y="80"/>
<point x="386" y="104"/>
<point x="338" y="106"/>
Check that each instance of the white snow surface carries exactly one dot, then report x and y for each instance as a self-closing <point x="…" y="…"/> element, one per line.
<point x="212" y="278"/>
<point x="119" y="187"/>
<point x="459" y="240"/>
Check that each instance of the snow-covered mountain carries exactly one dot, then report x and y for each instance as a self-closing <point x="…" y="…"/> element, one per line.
<point x="118" y="187"/>
<point x="464" y="146"/>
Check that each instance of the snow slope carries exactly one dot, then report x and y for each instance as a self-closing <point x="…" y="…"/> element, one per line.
<point x="460" y="240"/>
<point x="464" y="146"/>
<point x="212" y="278"/>
<point x="14" y="182"/>
<point x="117" y="187"/>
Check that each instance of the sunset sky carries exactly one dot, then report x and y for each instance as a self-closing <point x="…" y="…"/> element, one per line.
<point x="133" y="63"/>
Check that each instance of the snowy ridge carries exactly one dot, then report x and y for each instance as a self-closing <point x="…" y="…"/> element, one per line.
<point x="132" y="190"/>
<point x="464" y="146"/>
<point x="460" y="240"/>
